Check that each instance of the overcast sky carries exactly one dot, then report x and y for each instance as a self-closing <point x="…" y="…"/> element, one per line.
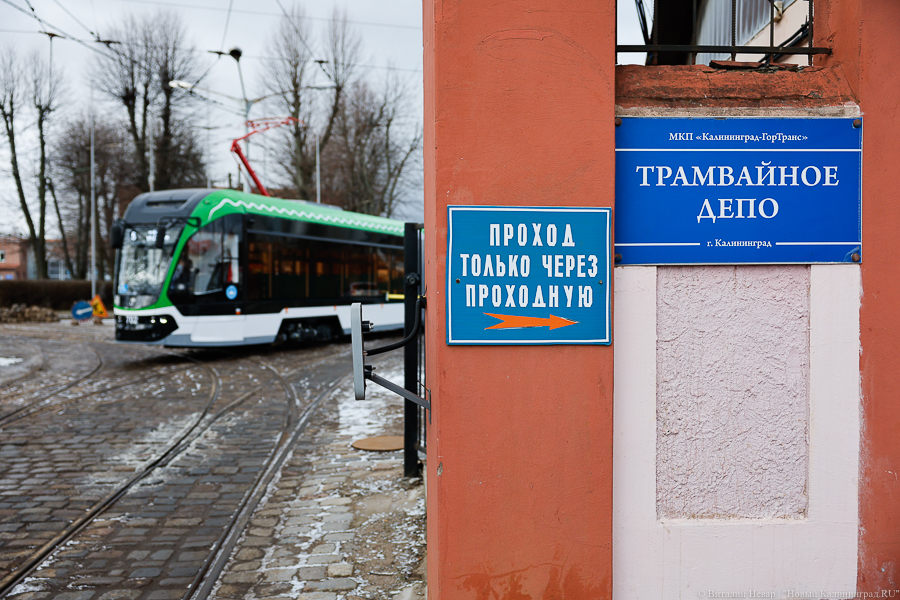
<point x="391" y="31"/>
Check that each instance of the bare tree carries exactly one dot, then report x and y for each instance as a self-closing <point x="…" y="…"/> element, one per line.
<point x="29" y="83"/>
<point x="113" y="169"/>
<point x="371" y="166"/>
<point x="368" y="148"/>
<point x="287" y="78"/>
<point x="174" y="60"/>
<point x="127" y="76"/>
<point x="12" y="101"/>
<point x="344" y="47"/>
<point x="290" y="76"/>
<point x="149" y="53"/>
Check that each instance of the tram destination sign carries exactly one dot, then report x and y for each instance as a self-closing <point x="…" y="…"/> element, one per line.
<point x="528" y="275"/>
<point x="740" y="190"/>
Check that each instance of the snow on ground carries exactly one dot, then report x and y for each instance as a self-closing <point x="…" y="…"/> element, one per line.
<point x="365" y="418"/>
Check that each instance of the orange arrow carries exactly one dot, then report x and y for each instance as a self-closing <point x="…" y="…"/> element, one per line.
<point x="517" y="322"/>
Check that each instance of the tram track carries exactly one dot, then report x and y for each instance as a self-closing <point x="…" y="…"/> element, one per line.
<point x="31" y="410"/>
<point x="39" y="367"/>
<point x="57" y="389"/>
<point x="295" y="423"/>
<point x="217" y="560"/>
<point x="40" y="405"/>
<point x="17" y="576"/>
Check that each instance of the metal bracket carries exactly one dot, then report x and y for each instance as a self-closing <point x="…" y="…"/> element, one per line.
<point x="385" y="383"/>
<point x="362" y="371"/>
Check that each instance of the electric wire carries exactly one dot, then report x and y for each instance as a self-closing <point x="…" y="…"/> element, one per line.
<point x="94" y="12"/>
<point x="220" y="105"/>
<point x="28" y="2"/>
<point x="76" y="19"/>
<point x="221" y="45"/>
<point x="227" y="20"/>
<point x="87" y="43"/>
<point x="297" y="30"/>
<point x="273" y="14"/>
<point x="45" y="24"/>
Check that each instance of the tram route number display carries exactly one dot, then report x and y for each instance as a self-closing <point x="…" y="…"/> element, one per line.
<point x="528" y="275"/>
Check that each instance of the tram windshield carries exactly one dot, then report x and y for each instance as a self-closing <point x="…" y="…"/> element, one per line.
<point x="142" y="266"/>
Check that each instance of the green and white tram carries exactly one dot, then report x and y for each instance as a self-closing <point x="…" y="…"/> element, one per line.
<point x="224" y="268"/>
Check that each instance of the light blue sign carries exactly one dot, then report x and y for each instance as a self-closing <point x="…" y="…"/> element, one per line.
<point x="231" y="292"/>
<point x="738" y="190"/>
<point x="82" y="311"/>
<point x="528" y="275"/>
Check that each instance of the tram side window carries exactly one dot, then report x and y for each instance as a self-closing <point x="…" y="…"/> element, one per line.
<point x="389" y="271"/>
<point x="360" y="277"/>
<point x="287" y="268"/>
<point x="329" y="269"/>
<point x="259" y="269"/>
<point x="209" y="263"/>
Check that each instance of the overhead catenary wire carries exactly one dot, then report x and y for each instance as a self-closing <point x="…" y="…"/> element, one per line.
<point x="119" y="53"/>
<point x="296" y="30"/>
<point x="108" y="43"/>
<point x="28" y="2"/>
<point x="76" y="19"/>
<point x="47" y="25"/>
<point x="273" y="14"/>
<point x="243" y="56"/>
<point x="94" y="11"/>
<point x="227" y="21"/>
<point x="221" y="45"/>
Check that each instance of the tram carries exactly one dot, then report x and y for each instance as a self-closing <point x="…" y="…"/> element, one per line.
<point x="203" y="267"/>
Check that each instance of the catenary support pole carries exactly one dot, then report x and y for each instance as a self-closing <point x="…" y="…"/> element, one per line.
<point x="94" y="223"/>
<point x="318" y="174"/>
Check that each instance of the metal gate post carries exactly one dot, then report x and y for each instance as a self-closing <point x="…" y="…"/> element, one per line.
<point x="411" y="350"/>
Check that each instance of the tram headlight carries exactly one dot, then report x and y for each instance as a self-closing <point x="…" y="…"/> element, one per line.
<point x="144" y="328"/>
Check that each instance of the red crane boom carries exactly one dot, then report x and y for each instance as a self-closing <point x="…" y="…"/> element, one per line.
<point x="258" y="126"/>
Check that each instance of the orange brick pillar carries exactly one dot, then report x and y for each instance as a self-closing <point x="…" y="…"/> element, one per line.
<point x="867" y="52"/>
<point x="519" y="111"/>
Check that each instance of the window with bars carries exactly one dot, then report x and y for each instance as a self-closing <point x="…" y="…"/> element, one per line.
<point x="680" y="32"/>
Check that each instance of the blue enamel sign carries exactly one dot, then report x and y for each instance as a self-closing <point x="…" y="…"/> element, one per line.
<point x="535" y="275"/>
<point x="738" y="190"/>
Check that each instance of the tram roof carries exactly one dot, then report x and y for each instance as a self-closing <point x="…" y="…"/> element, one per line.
<point x="209" y="204"/>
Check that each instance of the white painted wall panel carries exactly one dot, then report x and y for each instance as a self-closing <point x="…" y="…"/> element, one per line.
<point x="656" y="558"/>
<point x="732" y="391"/>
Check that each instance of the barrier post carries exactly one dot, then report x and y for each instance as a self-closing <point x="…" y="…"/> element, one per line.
<point x="412" y="277"/>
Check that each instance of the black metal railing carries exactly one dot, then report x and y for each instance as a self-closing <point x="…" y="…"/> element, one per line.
<point x="673" y="39"/>
<point x="414" y="416"/>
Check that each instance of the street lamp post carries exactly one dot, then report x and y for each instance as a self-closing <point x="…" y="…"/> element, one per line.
<point x="236" y="54"/>
<point x="94" y="219"/>
<point x="318" y="174"/>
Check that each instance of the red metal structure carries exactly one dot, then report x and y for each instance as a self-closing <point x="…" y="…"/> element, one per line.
<point x="258" y="126"/>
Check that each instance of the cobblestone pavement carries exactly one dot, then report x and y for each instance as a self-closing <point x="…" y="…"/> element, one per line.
<point x="339" y="522"/>
<point x="335" y="522"/>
